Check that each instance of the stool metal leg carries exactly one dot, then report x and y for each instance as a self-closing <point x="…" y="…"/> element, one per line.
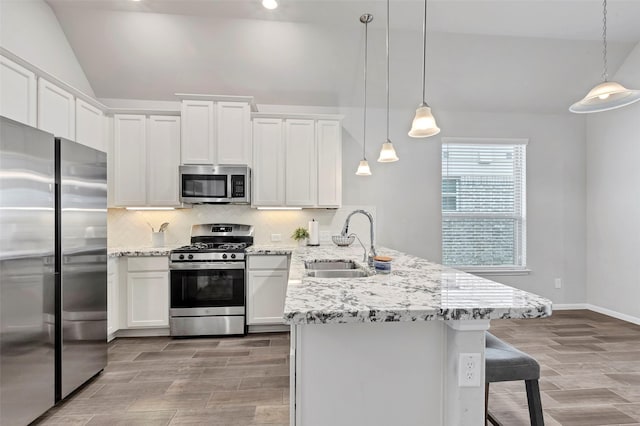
<point x="488" y="417"/>
<point x="535" y="402"/>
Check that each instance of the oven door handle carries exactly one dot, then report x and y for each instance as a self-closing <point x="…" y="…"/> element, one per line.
<point x="198" y="266"/>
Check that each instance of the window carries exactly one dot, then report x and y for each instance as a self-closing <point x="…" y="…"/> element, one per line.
<point x="483" y="203"/>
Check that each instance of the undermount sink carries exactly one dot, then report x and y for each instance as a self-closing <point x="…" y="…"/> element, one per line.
<point x="330" y="265"/>
<point x="337" y="273"/>
<point x="320" y="268"/>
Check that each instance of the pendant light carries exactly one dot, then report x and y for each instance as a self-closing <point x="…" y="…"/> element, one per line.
<point x="424" y="124"/>
<point x="608" y="94"/>
<point x="363" y="167"/>
<point x="387" y="153"/>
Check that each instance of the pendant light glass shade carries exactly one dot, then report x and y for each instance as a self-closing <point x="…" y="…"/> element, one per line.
<point x="387" y="153"/>
<point x="424" y="124"/>
<point x="606" y="96"/>
<point x="363" y="168"/>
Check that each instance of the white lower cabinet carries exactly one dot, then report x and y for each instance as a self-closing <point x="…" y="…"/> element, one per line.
<point x="112" y="296"/>
<point x="266" y="289"/>
<point x="147" y="292"/>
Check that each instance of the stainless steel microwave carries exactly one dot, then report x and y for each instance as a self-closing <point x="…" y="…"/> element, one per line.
<point x="228" y="184"/>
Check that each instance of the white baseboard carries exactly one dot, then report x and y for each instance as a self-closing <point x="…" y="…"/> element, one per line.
<point x="598" y="309"/>
<point x="614" y="314"/>
<point x="142" y="332"/>
<point x="269" y="328"/>
<point x="569" y="306"/>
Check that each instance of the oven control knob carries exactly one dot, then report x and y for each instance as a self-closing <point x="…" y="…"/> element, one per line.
<point x="224" y="256"/>
<point x="181" y="256"/>
<point x="190" y="256"/>
<point x="233" y="256"/>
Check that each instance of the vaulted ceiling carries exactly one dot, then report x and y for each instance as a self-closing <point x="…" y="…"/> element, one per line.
<point x="507" y="55"/>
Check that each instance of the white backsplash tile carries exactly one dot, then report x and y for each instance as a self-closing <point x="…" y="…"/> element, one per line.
<point x="133" y="228"/>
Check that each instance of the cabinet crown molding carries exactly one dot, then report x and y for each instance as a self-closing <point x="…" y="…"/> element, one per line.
<point x="218" y="98"/>
<point x="296" y="116"/>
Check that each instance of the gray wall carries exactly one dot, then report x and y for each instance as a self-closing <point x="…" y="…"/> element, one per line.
<point x="30" y="29"/>
<point x="407" y="193"/>
<point x="613" y="202"/>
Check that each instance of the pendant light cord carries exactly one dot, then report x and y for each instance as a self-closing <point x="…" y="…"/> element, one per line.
<point x="424" y="53"/>
<point x="605" y="74"/>
<point x="364" y="129"/>
<point x="388" y="71"/>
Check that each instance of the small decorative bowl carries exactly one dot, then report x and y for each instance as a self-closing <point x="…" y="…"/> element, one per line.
<point x="343" y="240"/>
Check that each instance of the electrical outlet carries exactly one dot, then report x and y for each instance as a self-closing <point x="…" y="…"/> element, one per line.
<point x="325" y="236"/>
<point x="558" y="282"/>
<point x="276" y="237"/>
<point x="469" y="369"/>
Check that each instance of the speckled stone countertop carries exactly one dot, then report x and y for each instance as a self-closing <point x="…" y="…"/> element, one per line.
<point x="416" y="290"/>
<point x="270" y="250"/>
<point x="139" y="251"/>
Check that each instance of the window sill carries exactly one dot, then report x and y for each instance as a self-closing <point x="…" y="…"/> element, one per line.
<point x="496" y="272"/>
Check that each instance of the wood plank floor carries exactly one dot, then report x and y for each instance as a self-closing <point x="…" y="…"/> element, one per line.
<point x="590" y="370"/>
<point x="160" y="381"/>
<point x="590" y="376"/>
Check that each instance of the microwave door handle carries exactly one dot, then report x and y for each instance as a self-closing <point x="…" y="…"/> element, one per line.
<point x="229" y="178"/>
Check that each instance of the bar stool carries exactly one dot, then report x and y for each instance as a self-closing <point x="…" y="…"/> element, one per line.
<point x="504" y="363"/>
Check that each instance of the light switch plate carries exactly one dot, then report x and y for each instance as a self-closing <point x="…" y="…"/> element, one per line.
<point x="276" y="237"/>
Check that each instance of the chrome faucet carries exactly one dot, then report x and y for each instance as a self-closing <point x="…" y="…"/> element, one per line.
<point x="345" y="231"/>
<point x="364" y="257"/>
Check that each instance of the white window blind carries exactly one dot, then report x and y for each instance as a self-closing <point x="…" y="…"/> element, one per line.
<point x="484" y="203"/>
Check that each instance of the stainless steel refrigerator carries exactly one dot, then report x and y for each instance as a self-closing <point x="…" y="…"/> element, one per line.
<point x="52" y="269"/>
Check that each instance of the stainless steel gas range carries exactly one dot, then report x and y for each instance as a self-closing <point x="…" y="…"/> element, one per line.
<point x="208" y="281"/>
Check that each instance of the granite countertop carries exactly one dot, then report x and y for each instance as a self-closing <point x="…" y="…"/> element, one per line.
<point x="270" y="250"/>
<point x="416" y="290"/>
<point x="139" y="251"/>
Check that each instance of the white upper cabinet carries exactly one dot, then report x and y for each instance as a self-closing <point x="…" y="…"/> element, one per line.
<point x="268" y="162"/>
<point x="163" y="159"/>
<point x="216" y="131"/>
<point x="329" y="145"/>
<point x="56" y="110"/>
<point x="301" y="163"/>
<point x="129" y="160"/>
<point x="198" y="132"/>
<point x="146" y="160"/>
<point x="308" y="149"/>
<point x="233" y="136"/>
<point x="18" y="92"/>
<point x="90" y="126"/>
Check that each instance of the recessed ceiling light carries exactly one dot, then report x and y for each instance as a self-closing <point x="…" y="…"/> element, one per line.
<point x="270" y="4"/>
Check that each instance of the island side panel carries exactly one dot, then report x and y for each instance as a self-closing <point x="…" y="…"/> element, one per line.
<point x="368" y="373"/>
<point x="464" y="405"/>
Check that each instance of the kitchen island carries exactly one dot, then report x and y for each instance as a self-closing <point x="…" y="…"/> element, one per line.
<point x="387" y="349"/>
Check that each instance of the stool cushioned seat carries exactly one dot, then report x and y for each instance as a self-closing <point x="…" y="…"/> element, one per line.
<point x="504" y="363"/>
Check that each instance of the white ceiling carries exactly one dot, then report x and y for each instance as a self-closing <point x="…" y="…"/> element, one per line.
<point x="512" y="55"/>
